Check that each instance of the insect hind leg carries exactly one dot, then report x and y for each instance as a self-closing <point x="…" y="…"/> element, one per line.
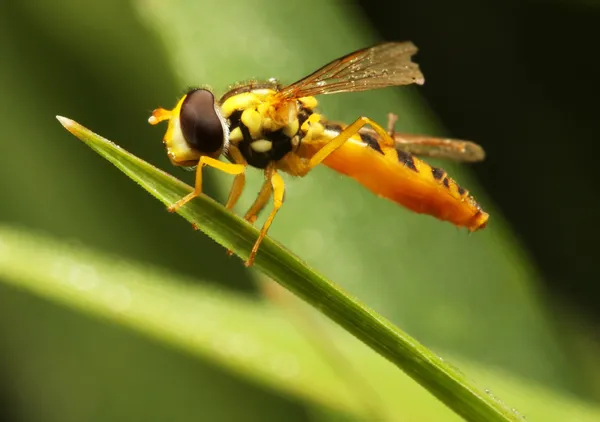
<point x="391" y="125"/>
<point x="347" y="133"/>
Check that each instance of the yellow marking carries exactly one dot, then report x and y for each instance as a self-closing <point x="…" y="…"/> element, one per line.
<point x="253" y="121"/>
<point x="308" y="102"/>
<point x="239" y="102"/>
<point x="236" y="135"/>
<point x="208" y="161"/>
<point x="262" y="145"/>
<point x="291" y="128"/>
<point x="268" y="124"/>
<point x="178" y="150"/>
<point x="313" y="118"/>
<point x="316" y="131"/>
<point x="264" y="109"/>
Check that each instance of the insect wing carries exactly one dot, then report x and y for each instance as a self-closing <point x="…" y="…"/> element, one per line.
<point x="428" y="146"/>
<point x="380" y="66"/>
<point x="452" y="149"/>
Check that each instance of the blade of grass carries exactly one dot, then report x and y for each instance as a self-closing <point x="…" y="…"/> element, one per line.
<point x="440" y="379"/>
<point x="268" y="350"/>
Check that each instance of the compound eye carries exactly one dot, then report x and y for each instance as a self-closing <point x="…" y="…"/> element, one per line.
<point x="200" y="124"/>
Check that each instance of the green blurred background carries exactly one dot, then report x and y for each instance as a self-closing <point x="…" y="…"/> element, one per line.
<point x="518" y="299"/>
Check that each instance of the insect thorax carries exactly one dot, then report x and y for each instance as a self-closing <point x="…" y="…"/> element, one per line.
<point x="262" y="132"/>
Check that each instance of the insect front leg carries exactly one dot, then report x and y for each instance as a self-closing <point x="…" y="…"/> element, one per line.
<point x="208" y="161"/>
<point x="346" y="134"/>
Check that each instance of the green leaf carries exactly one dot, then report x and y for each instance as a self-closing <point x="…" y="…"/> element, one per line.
<point x="248" y="337"/>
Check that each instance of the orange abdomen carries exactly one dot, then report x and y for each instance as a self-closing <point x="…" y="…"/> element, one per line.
<point x="408" y="181"/>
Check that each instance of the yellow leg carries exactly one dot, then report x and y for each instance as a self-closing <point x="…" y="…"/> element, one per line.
<point x="278" y="191"/>
<point x="206" y="161"/>
<point x="344" y="135"/>
<point x="261" y="200"/>
<point x="240" y="179"/>
<point x="238" y="182"/>
<point x="392" y="119"/>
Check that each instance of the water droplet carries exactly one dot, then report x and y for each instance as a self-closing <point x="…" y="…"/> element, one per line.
<point x="517" y="413"/>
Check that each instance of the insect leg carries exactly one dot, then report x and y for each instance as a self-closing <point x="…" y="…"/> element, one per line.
<point x="278" y="191"/>
<point x="346" y="134"/>
<point x="261" y="200"/>
<point x="208" y="161"/>
<point x="392" y="119"/>
<point x="240" y="179"/>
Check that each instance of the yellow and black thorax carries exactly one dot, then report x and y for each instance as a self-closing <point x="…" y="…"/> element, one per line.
<point x="263" y="128"/>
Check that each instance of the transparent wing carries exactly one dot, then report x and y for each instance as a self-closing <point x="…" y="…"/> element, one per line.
<point x="427" y="146"/>
<point x="380" y="66"/>
<point x="453" y="149"/>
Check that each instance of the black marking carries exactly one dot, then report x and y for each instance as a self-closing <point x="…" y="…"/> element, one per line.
<point x="303" y="115"/>
<point x="200" y="124"/>
<point x="234" y="119"/>
<point x="335" y="127"/>
<point x="371" y="142"/>
<point x="461" y="190"/>
<point x="281" y="145"/>
<point x="446" y="182"/>
<point x="437" y="173"/>
<point x="406" y="159"/>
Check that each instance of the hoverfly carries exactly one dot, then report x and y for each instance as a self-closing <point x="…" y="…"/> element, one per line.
<point x="277" y="128"/>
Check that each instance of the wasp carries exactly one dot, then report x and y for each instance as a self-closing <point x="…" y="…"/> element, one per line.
<point x="277" y="128"/>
